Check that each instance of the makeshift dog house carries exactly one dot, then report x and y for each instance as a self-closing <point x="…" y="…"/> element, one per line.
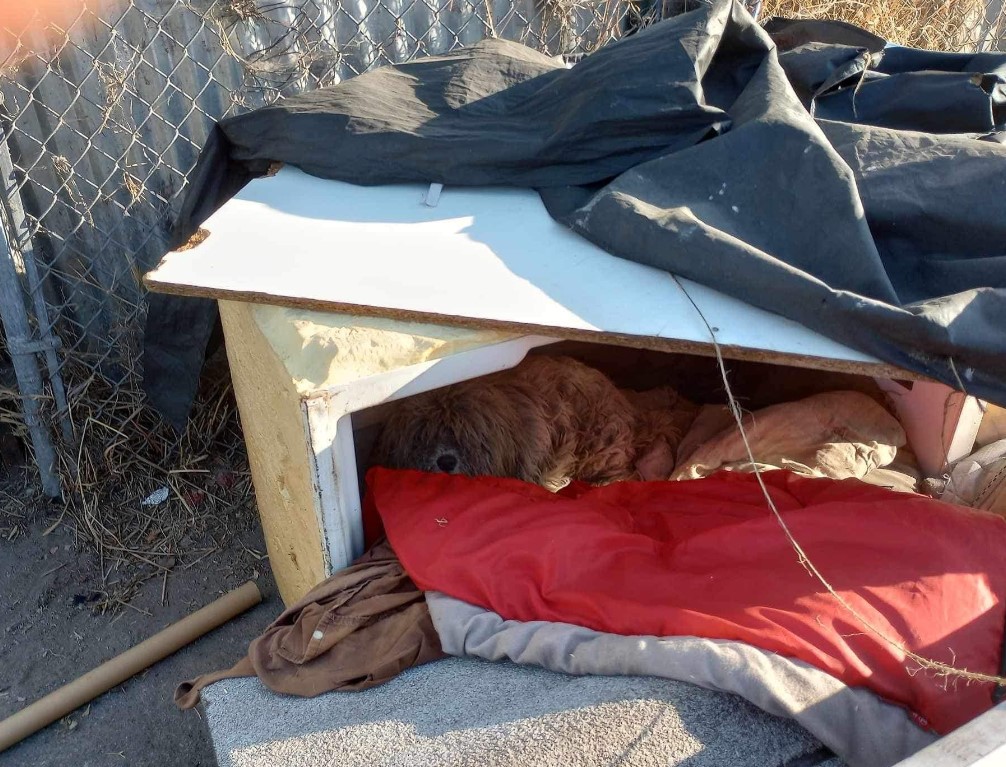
<point x="337" y="300"/>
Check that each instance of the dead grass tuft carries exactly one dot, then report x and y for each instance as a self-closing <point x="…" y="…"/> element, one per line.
<point x="241" y="9"/>
<point x="147" y="500"/>
<point x="942" y="25"/>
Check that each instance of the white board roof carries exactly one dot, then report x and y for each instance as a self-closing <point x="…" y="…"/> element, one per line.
<point x="484" y="257"/>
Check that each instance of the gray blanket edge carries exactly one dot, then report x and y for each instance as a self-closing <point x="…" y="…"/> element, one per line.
<point x="861" y="728"/>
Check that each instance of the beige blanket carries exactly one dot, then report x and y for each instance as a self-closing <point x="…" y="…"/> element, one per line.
<point x="838" y="434"/>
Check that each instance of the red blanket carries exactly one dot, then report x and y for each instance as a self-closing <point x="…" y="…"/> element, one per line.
<point x="706" y="558"/>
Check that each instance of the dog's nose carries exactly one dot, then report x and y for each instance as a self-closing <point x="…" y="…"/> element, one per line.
<point x="447" y="463"/>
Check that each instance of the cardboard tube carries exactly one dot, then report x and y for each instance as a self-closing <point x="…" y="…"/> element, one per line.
<point x="69" y="697"/>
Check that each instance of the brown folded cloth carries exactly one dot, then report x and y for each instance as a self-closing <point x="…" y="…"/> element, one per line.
<point x="361" y="627"/>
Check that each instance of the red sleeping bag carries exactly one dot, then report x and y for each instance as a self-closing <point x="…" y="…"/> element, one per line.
<point x="706" y="558"/>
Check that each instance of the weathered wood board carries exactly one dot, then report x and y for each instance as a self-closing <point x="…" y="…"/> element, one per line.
<point x="487" y="258"/>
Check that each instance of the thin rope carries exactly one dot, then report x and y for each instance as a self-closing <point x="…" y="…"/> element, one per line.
<point x="941" y="669"/>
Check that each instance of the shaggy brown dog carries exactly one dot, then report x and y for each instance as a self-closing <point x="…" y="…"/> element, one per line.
<point x="548" y="421"/>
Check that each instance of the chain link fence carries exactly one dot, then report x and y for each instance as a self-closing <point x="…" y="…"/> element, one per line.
<point x="103" y="118"/>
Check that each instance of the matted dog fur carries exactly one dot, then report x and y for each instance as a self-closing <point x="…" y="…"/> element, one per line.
<point x="549" y="420"/>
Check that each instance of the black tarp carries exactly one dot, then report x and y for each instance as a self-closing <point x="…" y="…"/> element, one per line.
<point x="831" y="181"/>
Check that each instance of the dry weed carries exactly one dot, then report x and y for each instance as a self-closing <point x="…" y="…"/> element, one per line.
<point x="943" y="25"/>
<point x="125" y="455"/>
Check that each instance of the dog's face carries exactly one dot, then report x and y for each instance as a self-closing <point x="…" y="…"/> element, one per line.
<point x="472" y="428"/>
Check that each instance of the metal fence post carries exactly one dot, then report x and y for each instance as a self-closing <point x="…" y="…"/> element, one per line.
<point x="21" y="234"/>
<point x="29" y="378"/>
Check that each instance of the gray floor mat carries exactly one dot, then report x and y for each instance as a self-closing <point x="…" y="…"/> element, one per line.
<point x="464" y="712"/>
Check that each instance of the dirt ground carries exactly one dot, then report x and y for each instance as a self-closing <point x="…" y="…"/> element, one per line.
<point x="58" y="623"/>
